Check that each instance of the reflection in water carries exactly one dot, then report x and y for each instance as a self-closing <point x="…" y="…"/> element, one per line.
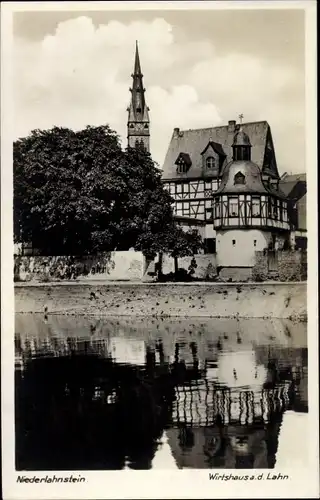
<point x="112" y="394"/>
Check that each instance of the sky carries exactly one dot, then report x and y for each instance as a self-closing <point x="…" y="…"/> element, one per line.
<point x="201" y="69"/>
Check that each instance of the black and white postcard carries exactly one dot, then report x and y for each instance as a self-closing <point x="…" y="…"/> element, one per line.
<point x="159" y="250"/>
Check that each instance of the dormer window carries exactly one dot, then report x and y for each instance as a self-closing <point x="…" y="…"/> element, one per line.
<point x="183" y="163"/>
<point x="138" y="110"/>
<point x="213" y="157"/>
<point x="239" y="178"/>
<point x="182" y="168"/>
<point x="210" y="162"/>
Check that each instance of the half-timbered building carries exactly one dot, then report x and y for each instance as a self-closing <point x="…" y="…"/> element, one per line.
<point x="195" y="162"/>
<point x="250" y="213"/>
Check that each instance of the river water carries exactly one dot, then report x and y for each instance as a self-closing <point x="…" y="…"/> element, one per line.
<point x="147" y="393"/>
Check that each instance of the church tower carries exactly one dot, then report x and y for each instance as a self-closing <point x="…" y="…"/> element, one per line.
<point x="138" y="116"/>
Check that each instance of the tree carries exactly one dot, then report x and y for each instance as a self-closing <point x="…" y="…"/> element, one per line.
<point x="184" y="244"/>
<point x="78" y="193"/>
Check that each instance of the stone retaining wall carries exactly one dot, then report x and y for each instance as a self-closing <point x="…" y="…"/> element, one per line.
<point x="291" y="266"/>
<point x="265" y="300"/>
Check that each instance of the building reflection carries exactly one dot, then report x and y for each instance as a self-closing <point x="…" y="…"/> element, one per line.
<point x="104" y="403"/>
<point x="231" y="416"/>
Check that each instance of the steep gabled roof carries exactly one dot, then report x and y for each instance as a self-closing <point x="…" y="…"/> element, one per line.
<point x="195" y="141"/>
<point x="294" y="186"/>
<point x="215" y="146"/>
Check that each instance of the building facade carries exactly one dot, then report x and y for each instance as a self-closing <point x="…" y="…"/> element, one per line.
<point x="196" y="159"/>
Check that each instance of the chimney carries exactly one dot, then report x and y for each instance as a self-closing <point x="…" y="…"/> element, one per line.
<point x="231" y="126"/>
<point x="176" y="132"/>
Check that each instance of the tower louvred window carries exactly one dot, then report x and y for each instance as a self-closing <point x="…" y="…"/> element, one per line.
<point x="239" y="178"/>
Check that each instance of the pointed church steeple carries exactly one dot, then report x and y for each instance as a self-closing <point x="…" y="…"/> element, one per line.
<point x="138" y="116"/>
<point x="137" y="67"/>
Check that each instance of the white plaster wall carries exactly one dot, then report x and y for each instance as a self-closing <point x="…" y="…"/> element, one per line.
<point x="124" y="265"/>
<point x="242" y="254"/>
<point x="127" y="265"/>
<point x="209" y="231"/>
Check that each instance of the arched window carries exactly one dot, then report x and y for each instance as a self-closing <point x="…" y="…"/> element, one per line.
<point x="210" y="162"/>
<point x="239" y="178"/>
<point x="139" y="144"/>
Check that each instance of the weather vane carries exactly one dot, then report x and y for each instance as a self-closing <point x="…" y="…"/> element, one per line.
<point x="241" y="117"/>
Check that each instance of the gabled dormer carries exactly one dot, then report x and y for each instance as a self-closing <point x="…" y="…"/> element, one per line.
<point x="213" y="158"/>
<point x="183" y="163"/>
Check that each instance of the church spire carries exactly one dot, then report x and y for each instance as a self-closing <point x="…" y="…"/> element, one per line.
<point x="137" y="67"/>
<point x="138" y="116"/>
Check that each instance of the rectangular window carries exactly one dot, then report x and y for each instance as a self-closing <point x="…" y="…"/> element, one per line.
<point x="280" y="210"/>
<point x="217" y="209"/>
<point x="209" y="214"/>
<point x="233" y="207"/>
<point x="254" y="243"/>
<point x="275" y="209"/>
<point x="255" y="207"/>
<point x="172" y="189"/>
<point x="233" y="243"/>
<point x="178" y="188"/>
<point x="285" y="213"/>
<point x="214" y="185"/>
<point x="269" y="206"/>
